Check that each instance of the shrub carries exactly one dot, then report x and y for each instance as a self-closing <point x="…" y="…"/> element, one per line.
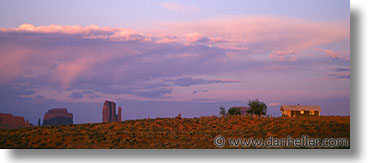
<point x="233" y="111"/>
<point x="257" y="107"/>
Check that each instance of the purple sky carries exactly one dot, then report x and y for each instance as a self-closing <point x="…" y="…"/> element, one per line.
<point x="159" y="58"/>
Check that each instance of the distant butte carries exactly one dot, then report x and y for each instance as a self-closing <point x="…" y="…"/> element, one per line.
<point x="58" y="116"/>
<point x="109" y="112"/>
<point x="10" y="121"/>
<point x="119" y="113"/>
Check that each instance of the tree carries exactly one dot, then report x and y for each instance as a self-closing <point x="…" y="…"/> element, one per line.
<point x="233" y="111"/>
<point x="222" y="111"/>
<point x="257" y="107"/>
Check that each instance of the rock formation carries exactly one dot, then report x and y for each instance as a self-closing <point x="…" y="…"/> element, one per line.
<point x="10" y="121"/>
<point x="58" y="116"/>
<point x="119" y="113"/>
<point x="109" y="112"/>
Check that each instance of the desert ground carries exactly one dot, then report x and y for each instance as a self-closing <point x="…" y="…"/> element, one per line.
<point x="172" y="132"/>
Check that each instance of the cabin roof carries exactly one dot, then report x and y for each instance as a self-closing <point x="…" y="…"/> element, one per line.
<point x="300" y="107"/>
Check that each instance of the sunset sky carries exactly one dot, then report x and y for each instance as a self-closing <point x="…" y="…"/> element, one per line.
<point x="161" y="58"/>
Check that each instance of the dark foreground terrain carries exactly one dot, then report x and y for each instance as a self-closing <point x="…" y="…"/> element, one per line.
<point x="173" y="132"/>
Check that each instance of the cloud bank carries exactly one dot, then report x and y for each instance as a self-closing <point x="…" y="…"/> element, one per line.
<point x="233" y="58"/>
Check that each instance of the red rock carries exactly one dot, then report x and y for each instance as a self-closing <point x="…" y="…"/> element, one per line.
<point x="10" y="121"/>
<point x="119" y="113"/>
<point x="57" y="112"/>
<point x="109" y="112"/>
<point x="58" y="116"/>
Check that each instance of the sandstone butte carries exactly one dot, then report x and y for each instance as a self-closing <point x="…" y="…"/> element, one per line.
<point x="119" y="113"/>
<point x="109" y="112"/>
<point x="58" y="116"/>
<point x="9" y="121"/>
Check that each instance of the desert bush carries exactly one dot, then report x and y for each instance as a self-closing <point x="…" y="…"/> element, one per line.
<point x="233" y="111"/>
<point x="257" y="107"/>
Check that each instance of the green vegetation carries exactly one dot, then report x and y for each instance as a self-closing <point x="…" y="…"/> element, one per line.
<point x="233" y="111"/>
<point x="222" y="111"/>
<point x="257" y="107"/>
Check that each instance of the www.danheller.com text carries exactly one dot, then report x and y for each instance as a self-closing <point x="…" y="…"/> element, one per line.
<point x="303" y="142"/>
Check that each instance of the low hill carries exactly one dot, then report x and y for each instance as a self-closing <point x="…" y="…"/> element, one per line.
<point x="174" y="132"/>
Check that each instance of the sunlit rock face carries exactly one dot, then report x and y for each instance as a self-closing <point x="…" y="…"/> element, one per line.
<point x="10" y="121"/>
<point x="109" y="112"/>
<point x="58" y="116"/>
<point x="119" y="113"/>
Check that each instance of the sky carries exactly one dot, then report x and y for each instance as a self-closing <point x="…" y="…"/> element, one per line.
<point x="161" y="58"/>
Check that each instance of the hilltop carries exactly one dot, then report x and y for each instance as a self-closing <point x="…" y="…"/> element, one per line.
<point x="172" y="132"/>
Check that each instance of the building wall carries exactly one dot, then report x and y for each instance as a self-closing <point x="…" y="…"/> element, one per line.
<point x="286" y="113"/>
<point x="297" y="113"/>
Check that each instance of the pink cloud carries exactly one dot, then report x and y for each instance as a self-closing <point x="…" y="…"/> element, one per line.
<point x="283" y="55"/>
<point x="69" y="29"/>
<point x="268" y="31"/>
<point x="328" y="52"/>
<point x="166" y="38"/>
<point x="90" y="32"/>
<point x="85" y="62"/>
<point x="241" y="33"/>
<point x="193" y="37"/>
<point x="67" y="72"/>
<point x="11" y="61"/>
<point x="197" y="38"/>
